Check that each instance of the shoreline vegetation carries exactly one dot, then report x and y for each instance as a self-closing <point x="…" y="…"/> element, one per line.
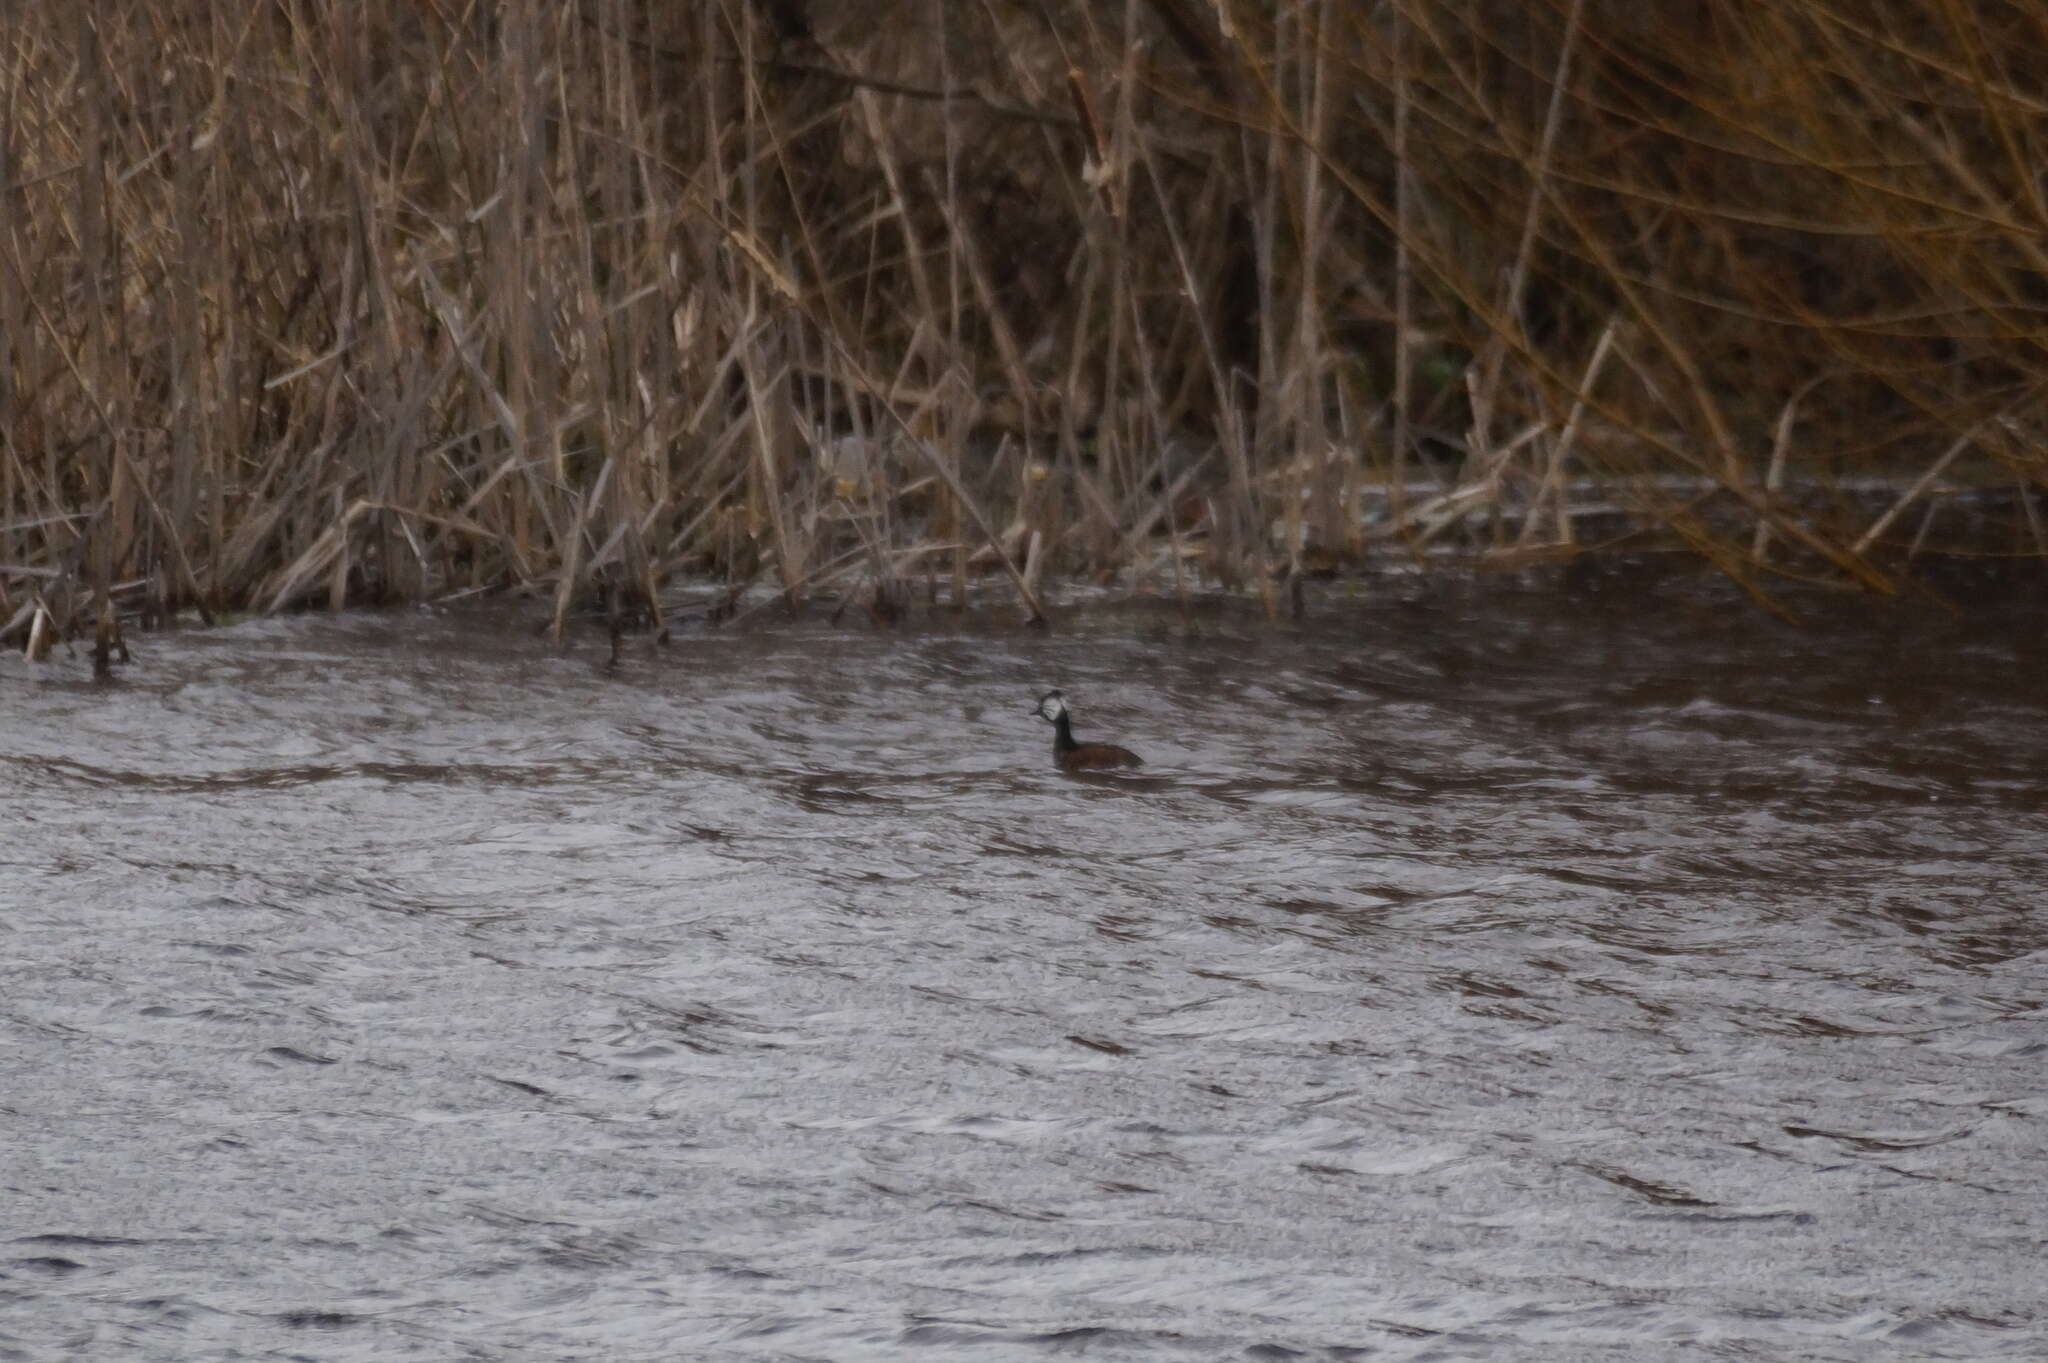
<point x="307" y="304"/>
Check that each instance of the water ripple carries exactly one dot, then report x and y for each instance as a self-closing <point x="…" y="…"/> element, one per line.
<point x="1466" y="976"/>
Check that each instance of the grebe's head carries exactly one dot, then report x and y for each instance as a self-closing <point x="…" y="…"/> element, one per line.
<point x="1051" y="706"/>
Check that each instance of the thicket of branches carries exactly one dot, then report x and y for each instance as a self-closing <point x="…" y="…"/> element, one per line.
<point x="395" y="300"/>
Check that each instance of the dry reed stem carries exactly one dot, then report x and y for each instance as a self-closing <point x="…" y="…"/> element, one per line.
<point x="1781" y="449"/>
<point x="1552" y="484"/>
<point x="1913" y="494"/>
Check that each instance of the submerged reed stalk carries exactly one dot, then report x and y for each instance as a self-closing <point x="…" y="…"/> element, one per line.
<point x="308" y="304"/>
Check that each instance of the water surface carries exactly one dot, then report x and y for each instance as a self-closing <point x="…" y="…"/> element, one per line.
<point x="1472" y="973"/>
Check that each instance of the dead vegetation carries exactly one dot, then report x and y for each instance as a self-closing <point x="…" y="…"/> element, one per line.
<point x="307" y="304"/>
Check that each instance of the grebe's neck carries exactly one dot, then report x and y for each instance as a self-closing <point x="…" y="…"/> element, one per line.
<point x="1063" y="733"/>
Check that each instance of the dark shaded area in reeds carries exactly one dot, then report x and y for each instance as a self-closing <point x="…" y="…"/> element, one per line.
<point x="308" y="303"/>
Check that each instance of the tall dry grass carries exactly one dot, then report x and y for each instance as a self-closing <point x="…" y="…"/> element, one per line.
<point x="314" y="303"/>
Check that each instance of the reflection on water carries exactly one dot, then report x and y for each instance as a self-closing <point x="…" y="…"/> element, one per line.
<point x="1474" y="973"/>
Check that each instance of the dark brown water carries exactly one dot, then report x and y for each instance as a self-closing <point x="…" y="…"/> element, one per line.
<point x="1480" y="974"/>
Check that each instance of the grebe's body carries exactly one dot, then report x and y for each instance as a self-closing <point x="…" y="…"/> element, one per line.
<point x="1073" y="756"/>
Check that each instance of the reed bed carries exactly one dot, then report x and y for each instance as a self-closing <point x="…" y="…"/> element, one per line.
<point x="310" y="303"/>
